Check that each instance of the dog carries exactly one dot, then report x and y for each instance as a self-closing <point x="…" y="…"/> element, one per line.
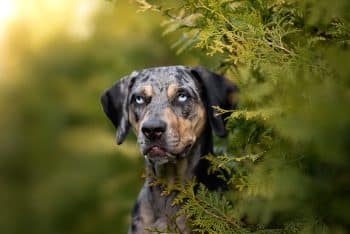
<point x="171" y="112"/>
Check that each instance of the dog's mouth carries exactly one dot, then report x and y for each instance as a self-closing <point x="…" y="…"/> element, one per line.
<point x="156" y="152"/>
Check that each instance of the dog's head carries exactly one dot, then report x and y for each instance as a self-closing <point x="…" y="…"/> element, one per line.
<point x="168" y="108"/>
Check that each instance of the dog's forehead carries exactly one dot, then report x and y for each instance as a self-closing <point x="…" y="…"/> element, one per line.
<point x="161" y="78"/>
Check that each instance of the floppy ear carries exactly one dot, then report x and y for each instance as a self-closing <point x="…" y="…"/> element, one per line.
<point x="217" y="91"/>
<point x="115" y="105"/>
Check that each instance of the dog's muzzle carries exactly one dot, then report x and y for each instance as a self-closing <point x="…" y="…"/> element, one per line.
<point x="156" y="148"/>
<point x="154" y="131"/>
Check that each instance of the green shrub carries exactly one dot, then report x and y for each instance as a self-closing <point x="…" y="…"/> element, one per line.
<point x="287" y="154"/>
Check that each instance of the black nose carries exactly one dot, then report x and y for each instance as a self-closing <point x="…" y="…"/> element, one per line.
<point x="153" y="129"/>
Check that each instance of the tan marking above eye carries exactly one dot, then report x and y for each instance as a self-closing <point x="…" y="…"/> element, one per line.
<point x="172" y="90"/>
<point x="147" y="90"/>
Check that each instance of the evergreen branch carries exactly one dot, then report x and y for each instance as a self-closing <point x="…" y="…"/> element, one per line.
<point x="281" y="47"/>
<point x="202" y="5"/>
<point x="207" y="207"/>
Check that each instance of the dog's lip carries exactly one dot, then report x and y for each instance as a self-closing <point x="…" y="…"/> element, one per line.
<point x="156" y="151"/>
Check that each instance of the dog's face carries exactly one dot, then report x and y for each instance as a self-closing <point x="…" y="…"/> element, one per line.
<point x="167" y="113"/>
<point x="168" y="108"/>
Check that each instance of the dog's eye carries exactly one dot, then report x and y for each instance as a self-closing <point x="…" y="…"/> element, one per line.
<point x="182" y="97"/>
<point x="139" y="100"/>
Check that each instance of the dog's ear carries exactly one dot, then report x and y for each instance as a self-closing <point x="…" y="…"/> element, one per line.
<point x="217" y="91"/>
<point x="115" y="105"/>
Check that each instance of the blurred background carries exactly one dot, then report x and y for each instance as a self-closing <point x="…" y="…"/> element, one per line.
<point x="60" y="168"/>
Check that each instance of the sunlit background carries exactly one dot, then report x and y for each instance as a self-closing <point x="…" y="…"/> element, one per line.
<point x="60" y="169"/>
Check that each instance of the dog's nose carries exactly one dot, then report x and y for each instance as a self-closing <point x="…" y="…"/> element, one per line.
<point x="153" y="129"/>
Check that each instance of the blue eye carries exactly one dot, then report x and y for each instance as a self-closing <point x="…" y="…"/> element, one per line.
<point x="139" y="100"/>
<point x="182" y="97"/>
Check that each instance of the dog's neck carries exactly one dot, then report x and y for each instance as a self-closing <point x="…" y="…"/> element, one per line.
<point x="183" y="168"/>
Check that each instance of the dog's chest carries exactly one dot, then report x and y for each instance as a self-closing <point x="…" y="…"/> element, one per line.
<point x="158" y="204"/>
<point x="157" y="213"/>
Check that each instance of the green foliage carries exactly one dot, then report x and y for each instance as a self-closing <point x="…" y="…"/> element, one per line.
<point x="287" y="154"/>
<point x="209" y="212"/>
